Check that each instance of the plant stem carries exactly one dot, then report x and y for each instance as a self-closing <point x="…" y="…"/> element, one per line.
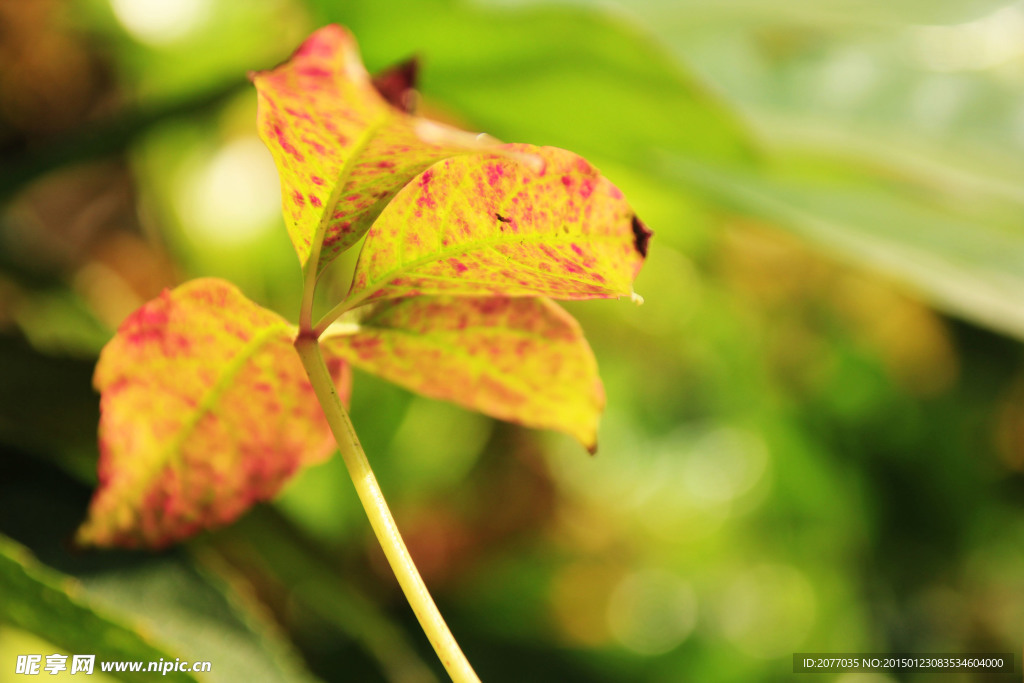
<point x="383" y="523"/>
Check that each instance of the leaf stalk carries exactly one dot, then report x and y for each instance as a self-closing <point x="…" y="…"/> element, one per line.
<point x="372" y="498"/>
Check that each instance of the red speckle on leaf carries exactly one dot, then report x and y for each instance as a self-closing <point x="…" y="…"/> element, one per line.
<point x="492" y="305"/>
<point x="149" y="324"/>
<point x="583" y="167"/>
<point x="314" y="72"/>
<point x="319" y="44"/>
<point x="366" y="346"/>
<point x="298" y="198"/>
<point x="336" y="234"/>
<point x="495" y="172"/>
<point x="567" y="180"/>
<point x="425" y="200"/>
<point x="287" y="146"/>
<point x="615" y="192"/>
<point x="586" y="187"/>
<point x="576" y="248"/>
<point x="314" y="200"/>
<point x="501" y="393"/>
<point x="385" y="164"/>
<point x="298" y="114"/>
<point x="316" y="180"/>
<point x="317" y="147"/>
<point x="459" y="266"/>
<point x="352" y="198"/>
<point x="207" y="296"/>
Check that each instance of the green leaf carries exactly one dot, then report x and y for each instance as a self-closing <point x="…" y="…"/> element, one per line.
<point x="36" y="599"/>
<point x="205" y="410"/>
<point x="969" y="266"/>
<point x="566" y="76"/>
<point x="341" y="150"/>
<point x="545" y="223"/>
<point x="204" y="611"/>
<point x="519" y="359"/>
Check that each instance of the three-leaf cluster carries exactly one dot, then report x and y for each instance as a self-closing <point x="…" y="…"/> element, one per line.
<point x="205" y="407"/>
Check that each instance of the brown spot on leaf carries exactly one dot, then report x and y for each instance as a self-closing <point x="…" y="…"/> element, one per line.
<point x="501" y="218"/>
<point x="641" y="236"/>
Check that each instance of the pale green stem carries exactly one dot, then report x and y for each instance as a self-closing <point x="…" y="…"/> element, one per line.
<point x="332" y="315"/>
<point x="308" y="287"/>
<point x="383" y="523"/>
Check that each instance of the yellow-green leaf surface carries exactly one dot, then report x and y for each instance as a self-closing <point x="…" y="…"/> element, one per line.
<point x="205" y="410"/>
<point x="341" y="150"/>
<point x="519" y="359"/>
<point x="524" y="222"/>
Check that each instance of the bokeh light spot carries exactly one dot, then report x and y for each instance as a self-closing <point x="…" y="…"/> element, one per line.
<point x="234" y="197"/>
<point x="768" y="610"/>
<point x="652" y="611"/>
<point x="723" y="465"/>
<point x="160" y="22"/>
<point x="982" y="44"/>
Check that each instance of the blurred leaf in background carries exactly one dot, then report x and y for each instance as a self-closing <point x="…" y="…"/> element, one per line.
<point x="802" y="449"/>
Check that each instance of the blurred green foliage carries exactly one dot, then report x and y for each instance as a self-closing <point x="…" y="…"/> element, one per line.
<point x="815" y="431"/>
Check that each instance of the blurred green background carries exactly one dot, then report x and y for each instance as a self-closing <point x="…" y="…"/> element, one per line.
<point x="815" y="431"/>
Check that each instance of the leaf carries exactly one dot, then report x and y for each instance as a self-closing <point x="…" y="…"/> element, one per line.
<point x="397" y="84"/>
<point x="204" y="615"/>
<point x="205" y="410"/>
<point x="591" y="81"/>
<point x="519" y="359"/>
<point x="341" y="150"/>
<point x="41" y="601"/>
<point x="970" y="267"/>
<point x="497" y="224"/>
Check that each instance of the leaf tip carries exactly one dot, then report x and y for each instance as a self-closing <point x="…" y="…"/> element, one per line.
<point x="591" y="447"/>
<point x="397" y="84"/>
<point x="636" y="298"/>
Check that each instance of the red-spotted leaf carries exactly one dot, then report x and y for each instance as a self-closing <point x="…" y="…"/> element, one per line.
<point x="525" y="221"/>
<point x="341" y="149"/>
<point x="205" y="410"/>
<point x="524" y="360"/>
